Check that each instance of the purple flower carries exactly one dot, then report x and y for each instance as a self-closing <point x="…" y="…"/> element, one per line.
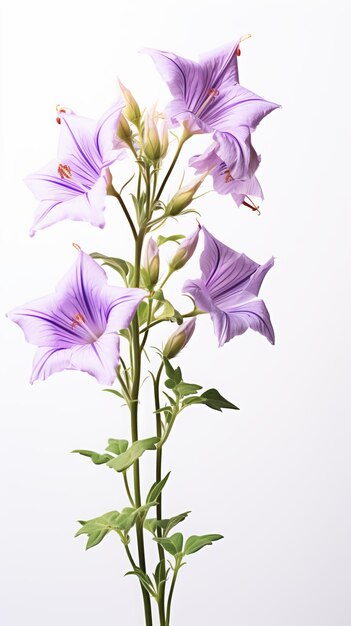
<point x="208" y="97"/>
<point x="76" y="327"/>
<point x="74" y="186"/>
<point x="228" y="290"/>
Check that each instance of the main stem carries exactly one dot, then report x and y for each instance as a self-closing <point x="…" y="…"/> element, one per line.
<point x="161" y="553"/>
<point x="134" y="423"/>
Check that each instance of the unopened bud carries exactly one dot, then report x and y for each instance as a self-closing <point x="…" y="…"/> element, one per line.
<point x="152" y="262"/>
<point x="124" y="131"/>
<point x="151" y="140"/>
<point x="131" y="110"/>
<point x="178" y="340"/>
<point x="185" y="250"/>
<point x="184" y="196"/>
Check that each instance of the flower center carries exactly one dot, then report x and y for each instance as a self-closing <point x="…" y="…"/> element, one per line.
<point x="211" y="95"/>
<point x="79" y="320"/>
<point x="64" y="171"/>
<point x="227" y="176"/>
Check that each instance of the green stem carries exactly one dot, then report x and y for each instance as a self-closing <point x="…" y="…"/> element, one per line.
<point x="129" y="555"/>
<point x="114" y="192"/>
<point x="161" y="553"/>
<point x="126" y="484"/>
<point x="182" y="141"/>
<point x="170" y="595"/>
<point x="134" y="423"/>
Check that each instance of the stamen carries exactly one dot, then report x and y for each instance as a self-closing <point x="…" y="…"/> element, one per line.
<point x="238" y="52"/>
<point x="64" y="171"/>
<point x="251" y="205"/>
<point x="77" y="319"/>
<point x="228" y="177"/>
<point x="212" y="94"/>
<point x="77" y="246"/>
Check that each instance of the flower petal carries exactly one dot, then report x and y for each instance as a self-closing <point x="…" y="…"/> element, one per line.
<point x="99" y="359"/>
<point x="87" y="206"/>
<point x="77" y="147"/>
<point x="252" y="315"/>
<point x="105" y="135"/>
<point x="120" y="305"/>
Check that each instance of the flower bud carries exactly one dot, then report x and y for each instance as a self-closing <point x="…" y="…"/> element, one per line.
<point x="184" y="196"/>
<point x="152" y="262"/>
<point x="178" y="340"/>
<point x="124" y="131"/>
<point x="131" y="110"/>
<point x="185" y="251"/>
<point x="151" y="139"/>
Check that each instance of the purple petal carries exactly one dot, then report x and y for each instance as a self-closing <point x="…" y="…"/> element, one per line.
<point x="120" y="305"/>
<point x="252" y="315"/>
<point x="105" y="134"/>
<point x="77" y="146"/>
<point x="62" y="202"/>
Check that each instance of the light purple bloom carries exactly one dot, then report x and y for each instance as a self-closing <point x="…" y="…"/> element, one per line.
<point x="228" y="290"/>
<point x="208" y="97"/>
<point x="76" y="327"/>
<point x="74" y="185"/>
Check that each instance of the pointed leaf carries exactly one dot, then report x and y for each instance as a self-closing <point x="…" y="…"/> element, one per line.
<point x="116" y="393"/>
<point x="215" y="401"/>
<point x="127" y="458"/>
<point x="98" y="527"/>
<point x="186" y="389"/>
<point x="144" y="579"/>
<point x="174" y="521"/>
<point x="156" y="489"/>
<point x="196" y="542"/>
<point x="117" y="446"/>
<point x="161" y="240"/>
<point x="97" y="459"/>
<point x="172" y="544"/>
<point x="119" y="265"/>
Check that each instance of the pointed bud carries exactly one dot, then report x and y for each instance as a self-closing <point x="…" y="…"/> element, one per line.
<point x="184" y="196"/>
<point x="151" y="140"/>
<point x="185" y="250"/>
<point x="131" y="110"/>
<point x="178" y="340"/>
<point x="152" y="262"/>
<point x="124" y="131"/>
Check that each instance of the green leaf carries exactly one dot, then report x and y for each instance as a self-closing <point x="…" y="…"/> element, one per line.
<point x="196" y="542"/>
<point x="161" y="240"/>
<point x="173" y="374"/>
<point x="98" y="459"/>
<point x="143" y="310"/>
<point x="116" y="393"/>
<point x="144" y="579"/>
<point x="158" y="575"/>
<point x="119" y="265"/>
<point x="193" y="400"/>
<point x="174" y="521"/>
<point x="127" y="458"/>
<point x="172" y="544"/>
<point x="151" y="525"/>
<point x="186" y="389"/>
<point x="169" y="383"/>
<point x="156" y="489"/>
<point x="117" y="446"/>
<point x="215" y="401"/>
<point x="98" y="528"/>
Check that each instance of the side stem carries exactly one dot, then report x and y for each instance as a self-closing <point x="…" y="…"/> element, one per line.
<point x="161" y="553"/>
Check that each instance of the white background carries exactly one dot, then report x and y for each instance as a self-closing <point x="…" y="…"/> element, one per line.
<point x="273" y="478"/>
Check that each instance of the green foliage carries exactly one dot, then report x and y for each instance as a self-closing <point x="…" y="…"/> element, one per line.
<point x="161" y="240"/>
<point x="97" y="459"/>
<point x="117" y="446"/>
<point x="166" y="525"/>
<point x="173" y="544"/>
<point x="168" y="313"/>
<point x="124" y="268"/>
<point x="156" y="489"/>
<point x="144" y="579"/>
<point x="214" y="400"/>
<point x="98" y="528"/>
<point x="116" y="393"/>
<point x="196" y="542"/>
<point x="127" y="458"/>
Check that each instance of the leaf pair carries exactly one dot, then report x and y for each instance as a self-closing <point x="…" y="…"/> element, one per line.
<point x="174" y="544"/>
<point x="125" y="457"/>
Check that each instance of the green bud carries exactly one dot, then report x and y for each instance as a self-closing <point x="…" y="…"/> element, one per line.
<point x="178" y="340"/>
<point x="184" y="196"/>
<point x="152" y="262"/>
<point x="131" y="110"/>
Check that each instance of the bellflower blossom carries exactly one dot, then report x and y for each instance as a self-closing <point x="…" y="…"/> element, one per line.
<point x="228" y="290"/>
<point x="76" y="327"/>
<point x="74" y="185"/>
<point x="209" y="99"/>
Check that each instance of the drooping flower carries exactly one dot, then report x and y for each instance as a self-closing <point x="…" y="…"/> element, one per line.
<point x="208" y="97"/>
<point x="74" y="185"/>
<point x="76" y="328"/>
<point x="185" y="250"/>
<point x="228" y="290"/>
<point x="178" y="340"/>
